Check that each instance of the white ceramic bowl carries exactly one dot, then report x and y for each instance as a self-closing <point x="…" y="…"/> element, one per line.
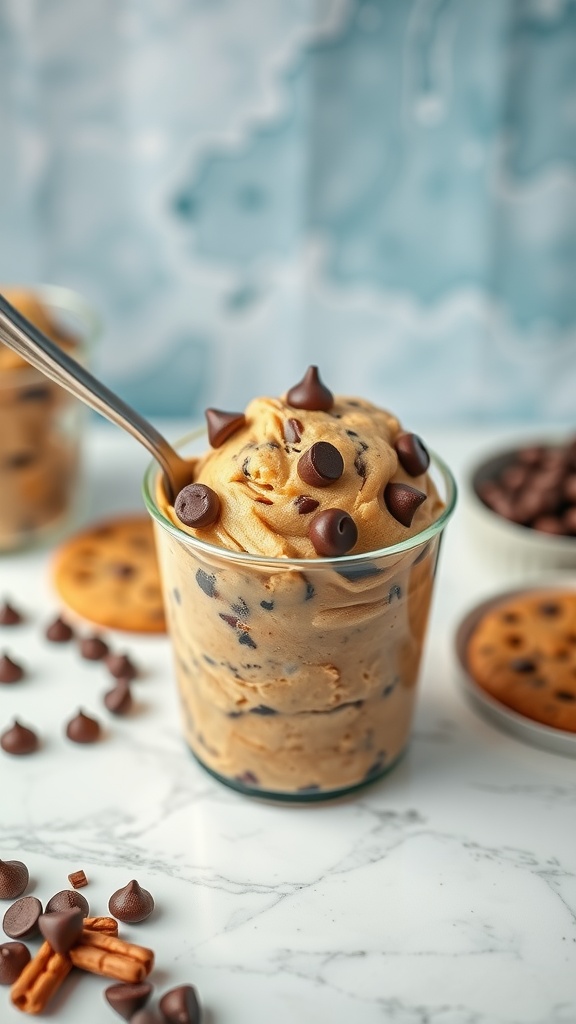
<point x="517" y="550"/>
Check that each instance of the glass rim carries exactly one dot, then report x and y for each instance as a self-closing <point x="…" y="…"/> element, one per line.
<point x="148" y="487"/>
<point x="67" y="300"/>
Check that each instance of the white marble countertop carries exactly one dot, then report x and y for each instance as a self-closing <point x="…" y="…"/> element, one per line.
<point x="443" y="894"/>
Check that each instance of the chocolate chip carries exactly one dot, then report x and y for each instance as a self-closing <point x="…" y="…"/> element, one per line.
<point x="20" y="460"/>
<point x="145" y="1017"/>
<point x="358" y="572"/>
<point x="127" y="999"/>
<point x="67" y="899"/>
<point x="531" y="456"/>
<point x="59" y="632"/>
<point x="305" y="504"/>
<point x="94" y="648"/>
<point x="293" y="431"/>
<point x="122" y="570"/>
<point x="402" y="500"/>
<point x="62" y="929"/>
<point x="332" y="532"/>
<point x="569" y="520"/>
<point x="131" y="904"/>
<point x="395" y="593"/>
<point x="19" y="740"/>
<point x="248" y="778"/>
<point x="9" y="615"/>
<point x="13" y="959"/>
<point x="21" y="919"/>
<point x="197" y="505"/>
<point x="569" y="489"/>
<point x="10" y="671"/>
<point x="241" y="608"/>
<point x="522" y="665"/>
<point x="181" y="1006"/>
<point x="514" y="477"/>
<point x="310" y="591"/>
<point x="412" y="454"/>
<point x="321" y="465"/>
<point x="14" y="877"/>
<point x="231" y="620"/>
<point x="263" y="709"/>
<point x="121" y="666"/>
<point x="118" y="700"/>
<point x="221" y="425"/>
<point x="83" y="729"/>
<point x="549" y="609"/>
<point x="38" y="393"/>
<point x="310" y="393"/>
<point x="360" y="467"/>
<point x="247" y="640"/>
<point x="267" y="605"/>
<point x="206" y="582"/>
<point x="565" y="695"/>
<point x="78" y="879"/>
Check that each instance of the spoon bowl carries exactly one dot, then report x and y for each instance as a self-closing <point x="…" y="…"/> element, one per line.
<point x="24" y="338"/>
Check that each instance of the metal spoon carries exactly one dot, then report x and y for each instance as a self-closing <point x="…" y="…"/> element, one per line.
<point x="24" y="338"/>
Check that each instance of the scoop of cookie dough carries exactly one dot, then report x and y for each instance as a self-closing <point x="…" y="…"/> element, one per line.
<point x="282" y="465"/>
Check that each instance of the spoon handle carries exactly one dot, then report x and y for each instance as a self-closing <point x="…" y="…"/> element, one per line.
<point x="29" y="342"/>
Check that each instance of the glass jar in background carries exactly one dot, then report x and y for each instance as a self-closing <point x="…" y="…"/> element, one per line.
<point x="41" y="424"/>
<point x="297" y="677"/>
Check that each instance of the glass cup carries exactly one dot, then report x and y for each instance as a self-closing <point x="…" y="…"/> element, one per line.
<point x="297" y="677"/>
<point x="40" y="433"/>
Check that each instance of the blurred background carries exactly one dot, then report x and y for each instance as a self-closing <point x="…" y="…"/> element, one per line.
<point x="242" y="187"/>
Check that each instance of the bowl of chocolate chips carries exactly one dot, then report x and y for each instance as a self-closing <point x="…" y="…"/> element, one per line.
<point x="522" y="505"/>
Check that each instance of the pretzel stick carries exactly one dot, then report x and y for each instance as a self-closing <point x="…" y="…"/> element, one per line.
<point x="102" y="924"/>
<point x="40" y="979"/>
<point x="105" y="954"/>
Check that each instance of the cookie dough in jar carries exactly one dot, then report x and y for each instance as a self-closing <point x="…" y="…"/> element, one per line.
<point x="40" y="423"/>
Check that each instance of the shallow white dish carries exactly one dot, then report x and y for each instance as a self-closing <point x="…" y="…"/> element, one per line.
<point x="557" y="740"/>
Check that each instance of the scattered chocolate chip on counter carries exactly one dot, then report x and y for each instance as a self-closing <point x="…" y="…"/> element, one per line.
<point x="14" y="877"/>
<point x="118" y="700"/>
<point x="83" y="729"/>
<point x="9" y="615"/>
<point x="13" y="959"/>
<point x="121" y="666"/>
<point x="61" y="928"/>
<point x="10" y="671"/>
<point x="181" y="1005"/>
<point x="19" y="740"/>
<point x="131" y="904"/>
<point x="59" y="631"/>
<point x="68" y="899"/>
<point x="127" y="999"/>
<point x="93" y="648"/>
<point x="21" y="919"/>
<point x="146" y="1017"/>
<point x="77" y="879"/>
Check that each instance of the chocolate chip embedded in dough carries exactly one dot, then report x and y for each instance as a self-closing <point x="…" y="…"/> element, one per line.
<point x="321" y="465"/>
<point x="221" y="425"/>
<point x="21" y="919"/>
<point x="332" y="532"/>
<point x="62" y="929"/>
<point x="14" y="877"/>
<point x="523" y="665"/>
<point x="9" y="616"/>
<point x="310" y="393"/>
<point x="10" y="671"/>
<point x="131" y="904"/>
<point x="305" y="504"/>
<point x="18" y="740"/>
<point x="13" y="959"/>
<point x="402" y="500"/>
<point x="206" y="582"/>
<point x="59" y="632"/>
<point x="181" y="1006"/>
<point x="83" y="729"/>
<point x="293" y="431"/>
<point x="412" y="454"/>
<point x="197" y="505"/>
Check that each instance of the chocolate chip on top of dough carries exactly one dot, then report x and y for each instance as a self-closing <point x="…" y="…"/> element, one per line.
<point x="310" y="393"/>
<point x="221" y="425"/>
<point x="197" y="505"/>
<point x="402" y="501"/>
<point x="321" y="465"/>
<point x="333" y="532"/>
<point x="412" y="454"/>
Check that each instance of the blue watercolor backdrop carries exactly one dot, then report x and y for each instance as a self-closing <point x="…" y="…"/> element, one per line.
<point x="385" y="187"/>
